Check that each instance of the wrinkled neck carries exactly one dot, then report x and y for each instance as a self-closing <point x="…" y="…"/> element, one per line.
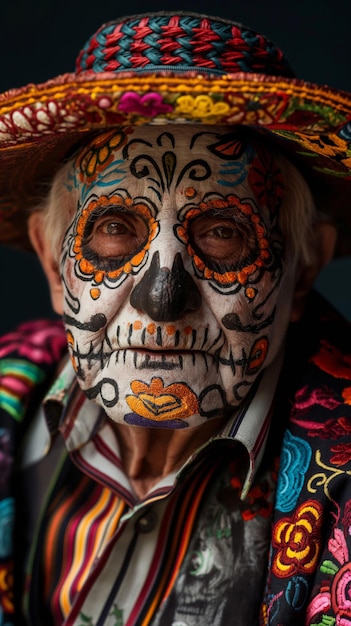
<point x="151" y="454"/>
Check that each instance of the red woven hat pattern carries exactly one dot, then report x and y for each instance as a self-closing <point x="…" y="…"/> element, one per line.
<point x="180" y="43"/>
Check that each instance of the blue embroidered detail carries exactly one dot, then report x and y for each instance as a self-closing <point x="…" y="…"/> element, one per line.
<point x="295" y="459"/>
<point x="296" y="592"/>
<point x="7" y="513"/>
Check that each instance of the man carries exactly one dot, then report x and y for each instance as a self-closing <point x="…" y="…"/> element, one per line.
<point x="179" y="188"/>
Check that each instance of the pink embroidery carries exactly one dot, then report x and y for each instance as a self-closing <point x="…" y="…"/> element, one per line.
<point x="338" y="547"/>
<point x="41" y="341"/>
<point x="148" y="105"/>
<point x="340" y="595"/>
<point x="342" y="454"/>
<point x="324" y="397"/>
<point x="321" y="602"/>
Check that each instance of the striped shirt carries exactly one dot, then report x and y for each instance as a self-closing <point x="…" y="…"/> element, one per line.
<point x="178" y="556"/>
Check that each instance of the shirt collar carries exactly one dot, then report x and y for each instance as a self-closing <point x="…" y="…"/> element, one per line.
<point x="78" y="419"/>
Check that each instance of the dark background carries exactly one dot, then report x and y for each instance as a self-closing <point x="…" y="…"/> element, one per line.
<point x="41" y="38"/>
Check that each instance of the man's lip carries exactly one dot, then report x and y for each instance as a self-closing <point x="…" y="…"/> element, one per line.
<point x="163" y="359"/>
<point x="157" y="351"/>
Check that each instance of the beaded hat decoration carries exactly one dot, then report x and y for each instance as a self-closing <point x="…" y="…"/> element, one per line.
<point x="173" y="68"/>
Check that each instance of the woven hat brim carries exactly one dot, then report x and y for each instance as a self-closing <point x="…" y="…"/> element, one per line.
<point x="40" y="125"/>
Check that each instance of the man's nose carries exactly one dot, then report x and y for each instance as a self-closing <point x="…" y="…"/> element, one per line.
<point x="163" y="294"/>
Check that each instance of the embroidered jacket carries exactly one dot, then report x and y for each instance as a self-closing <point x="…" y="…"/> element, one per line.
<point x="309" y="567"/>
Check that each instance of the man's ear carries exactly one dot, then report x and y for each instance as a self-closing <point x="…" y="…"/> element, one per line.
<point x="36" y="231"/>
<point x="325" y="233"/>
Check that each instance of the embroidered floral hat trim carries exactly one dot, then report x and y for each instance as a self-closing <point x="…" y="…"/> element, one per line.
<point x="173" y="68"/>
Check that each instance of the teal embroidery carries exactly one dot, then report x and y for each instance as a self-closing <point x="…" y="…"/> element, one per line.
<point x="7" y="514"/>
<point x="17" y="378"/>
<point x="295" y="459"/>
<point x="297" y="592"/>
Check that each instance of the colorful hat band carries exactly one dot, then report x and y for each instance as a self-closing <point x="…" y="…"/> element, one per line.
<point x="180" y="43"/>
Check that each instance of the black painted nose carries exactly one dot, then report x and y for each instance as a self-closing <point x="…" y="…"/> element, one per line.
<point x="165" y="295"/>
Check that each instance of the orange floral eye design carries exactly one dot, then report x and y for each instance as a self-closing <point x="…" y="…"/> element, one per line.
<point x="113" y="236"/>
<point x="158" y="403"/>
<point x="99" y="154"/>
<point x="226" y="239"/>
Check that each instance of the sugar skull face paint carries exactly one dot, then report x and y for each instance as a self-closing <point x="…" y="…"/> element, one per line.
<point x="177" y="285"/>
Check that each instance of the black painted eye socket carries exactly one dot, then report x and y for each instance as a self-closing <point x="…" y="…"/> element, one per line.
<point x="223" y="241"/>
<point x="114" y="237"/>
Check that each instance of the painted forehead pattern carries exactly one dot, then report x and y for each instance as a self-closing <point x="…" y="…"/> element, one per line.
<point x="238" y="152"/>
<point x="103" y="168"/>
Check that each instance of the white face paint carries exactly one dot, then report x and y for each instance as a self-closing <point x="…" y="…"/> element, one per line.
<point x="176" y="294"/>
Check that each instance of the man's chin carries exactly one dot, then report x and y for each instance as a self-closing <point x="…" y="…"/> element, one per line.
<point x="159" y="390"/>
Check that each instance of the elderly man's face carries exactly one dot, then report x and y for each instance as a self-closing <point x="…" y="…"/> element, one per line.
<point x="177" y="292"/>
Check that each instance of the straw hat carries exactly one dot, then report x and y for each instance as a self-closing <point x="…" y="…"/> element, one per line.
<point x="173" y="68"/>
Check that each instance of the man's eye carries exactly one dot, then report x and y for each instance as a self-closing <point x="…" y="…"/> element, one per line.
<point x="224" y="232"/>
<point x="222" y="239"/>
<point x="113" y="228"/>
<point x="114" y="238"/>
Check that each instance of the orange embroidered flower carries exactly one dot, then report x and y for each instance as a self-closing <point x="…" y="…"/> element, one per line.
<point x="157" y="402"/>
<point x="346" y="395"/>
<point x="297" y="540"/>
<point x="6" y="587"/>
<point x="332" y="360"/>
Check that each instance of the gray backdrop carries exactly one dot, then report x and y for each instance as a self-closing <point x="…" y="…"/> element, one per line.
<point x="41" y="38"/>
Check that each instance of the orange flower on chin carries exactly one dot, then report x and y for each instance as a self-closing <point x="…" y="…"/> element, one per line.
<point x="159" y="403"/>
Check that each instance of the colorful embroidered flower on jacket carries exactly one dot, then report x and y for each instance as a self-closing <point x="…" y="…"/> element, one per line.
<point x="297" y="540"/>
<point x="41" y="341"/>
<point x="17" y="379"/>
<point x="334" y="593"/>
<point x="332" y="360"/>
<point x="342" y="454"/>
<point x="6" y="588"/>
<point x="295" y="459"/>
<point x="148" y="105"/>
<point x="346" y="395"/>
